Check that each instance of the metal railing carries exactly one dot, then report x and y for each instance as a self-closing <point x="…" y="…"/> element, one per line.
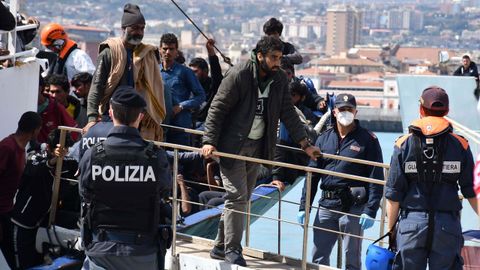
<point x="309" y="171"/>
<point x="12" y="37"/>
<point x="469" y="133"/>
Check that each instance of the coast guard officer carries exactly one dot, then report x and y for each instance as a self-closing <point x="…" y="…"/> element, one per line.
<point x="428" y="165"/>
<point x="122" y="181"/>
<point x="346" y="138"/>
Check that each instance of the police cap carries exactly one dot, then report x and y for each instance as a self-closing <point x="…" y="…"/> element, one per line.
<point x="127" y="96"/>
<point x="434" y="98"/>
<point x="345" y="100"/>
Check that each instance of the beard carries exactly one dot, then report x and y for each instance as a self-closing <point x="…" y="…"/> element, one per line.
<point x="269" y="71"/>
<point x="134" y="39"/>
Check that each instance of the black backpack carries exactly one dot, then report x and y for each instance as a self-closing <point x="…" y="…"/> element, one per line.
<point x="33" y="199"/>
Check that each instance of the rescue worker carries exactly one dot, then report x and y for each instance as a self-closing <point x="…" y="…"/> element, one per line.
<point x="122" y="182"/>
<point x="346" y="138"/>
<point x="71" y="60"/>
<point x="427" y="168"/>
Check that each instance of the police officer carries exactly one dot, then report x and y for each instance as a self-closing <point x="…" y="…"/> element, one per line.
<point x="122" y="181"/>
<point x="427" y="167"/>
<point x="346" y="138"/>
<point x="95" y="134"/>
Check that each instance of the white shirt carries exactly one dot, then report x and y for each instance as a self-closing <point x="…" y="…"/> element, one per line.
<point x="78" y="61"/>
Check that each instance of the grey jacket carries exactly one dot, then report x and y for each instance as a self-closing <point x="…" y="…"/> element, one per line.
<point x="232" y="112"/>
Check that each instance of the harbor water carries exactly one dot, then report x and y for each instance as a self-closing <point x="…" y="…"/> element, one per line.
<point x="264" y="232"/>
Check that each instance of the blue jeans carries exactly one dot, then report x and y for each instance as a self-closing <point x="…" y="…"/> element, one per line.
<point x="412" y="237"/>
<point x="324" y="241"/>
<point x="182" y="119"/>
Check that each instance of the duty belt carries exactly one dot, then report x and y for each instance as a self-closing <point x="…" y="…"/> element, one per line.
<point x="328" y="194"/>
<point x="130" y="238"/>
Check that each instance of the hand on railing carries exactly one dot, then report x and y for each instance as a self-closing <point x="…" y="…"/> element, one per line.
<point x="279" y="184"/>
<point x="313" y="152"/>
<point x="366" y="221"/>
<point x="301" y="217"/>
<point x="207" y="150"/>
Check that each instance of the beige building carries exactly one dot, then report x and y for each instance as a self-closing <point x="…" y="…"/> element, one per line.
<point x="343" y="29"/>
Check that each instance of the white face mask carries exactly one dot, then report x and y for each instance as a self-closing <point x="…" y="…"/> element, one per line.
<point x="345" y="118"/>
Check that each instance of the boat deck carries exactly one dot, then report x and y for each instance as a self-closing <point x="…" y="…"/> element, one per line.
<point x="193" y="253"/>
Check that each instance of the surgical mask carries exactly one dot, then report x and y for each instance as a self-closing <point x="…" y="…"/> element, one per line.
<point x="345" y="118"/>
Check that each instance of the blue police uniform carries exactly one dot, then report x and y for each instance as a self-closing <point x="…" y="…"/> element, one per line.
<point x="122" y="182"/>
<point x="95" y="134"/>
<point x="337" y="192"/>
<point x="122" y="243"/>
<point x="427" y="167"/>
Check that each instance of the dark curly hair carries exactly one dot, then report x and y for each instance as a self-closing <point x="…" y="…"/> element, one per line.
<point x="54" y="138"/>
<point x="60" y="80"/>
<point x="199" y="63"/>
<point x="298" y="88"/>
<point x="169" y="38"/>
<point x="268" y="44"/>
<point x="273" y="26"/>
<point x="82" y="77"/>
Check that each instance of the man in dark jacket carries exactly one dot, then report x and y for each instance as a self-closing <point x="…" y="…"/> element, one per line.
<point x="243" y="120"/>
<point x="468" y="68"/>
<point x="209" y="83"/>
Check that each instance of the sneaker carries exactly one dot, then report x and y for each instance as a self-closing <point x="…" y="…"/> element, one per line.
<point x="235" y="257"/>
<point x="217" y="253"/>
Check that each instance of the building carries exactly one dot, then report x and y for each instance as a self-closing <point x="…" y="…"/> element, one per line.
<point x="343" y="29"/>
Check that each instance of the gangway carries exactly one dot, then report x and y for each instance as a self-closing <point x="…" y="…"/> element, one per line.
<point x="189" y="252"/>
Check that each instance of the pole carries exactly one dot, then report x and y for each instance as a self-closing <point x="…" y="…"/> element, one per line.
<point x="225" y="59"/>
<point x="56" y="181"/>
<point x="175" y="203"/>
<point x="307" y="219"/>
<point x="247" y="229"/>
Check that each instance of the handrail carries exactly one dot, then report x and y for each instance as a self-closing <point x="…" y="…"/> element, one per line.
<point x="259" y="195"/>
<point x="343" y="158"/>
<point x="21" y="28"/>
<point x="28" y="53"/>
<point x="258" y="160"/>
<point x="470" y="134"/>
<point x="175" y="200"/>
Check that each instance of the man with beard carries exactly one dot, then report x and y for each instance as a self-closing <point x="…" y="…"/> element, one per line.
<point x="242" y="120"/>
<point x="127" y="61"/>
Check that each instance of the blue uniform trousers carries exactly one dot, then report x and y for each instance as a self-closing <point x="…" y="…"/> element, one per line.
<point x="324" y="241"/>
<point x="146" y="262"/>
<point x="412" y="237"/>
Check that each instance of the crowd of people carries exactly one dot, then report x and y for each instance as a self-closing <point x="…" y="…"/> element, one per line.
<point x="121" y="203"/>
